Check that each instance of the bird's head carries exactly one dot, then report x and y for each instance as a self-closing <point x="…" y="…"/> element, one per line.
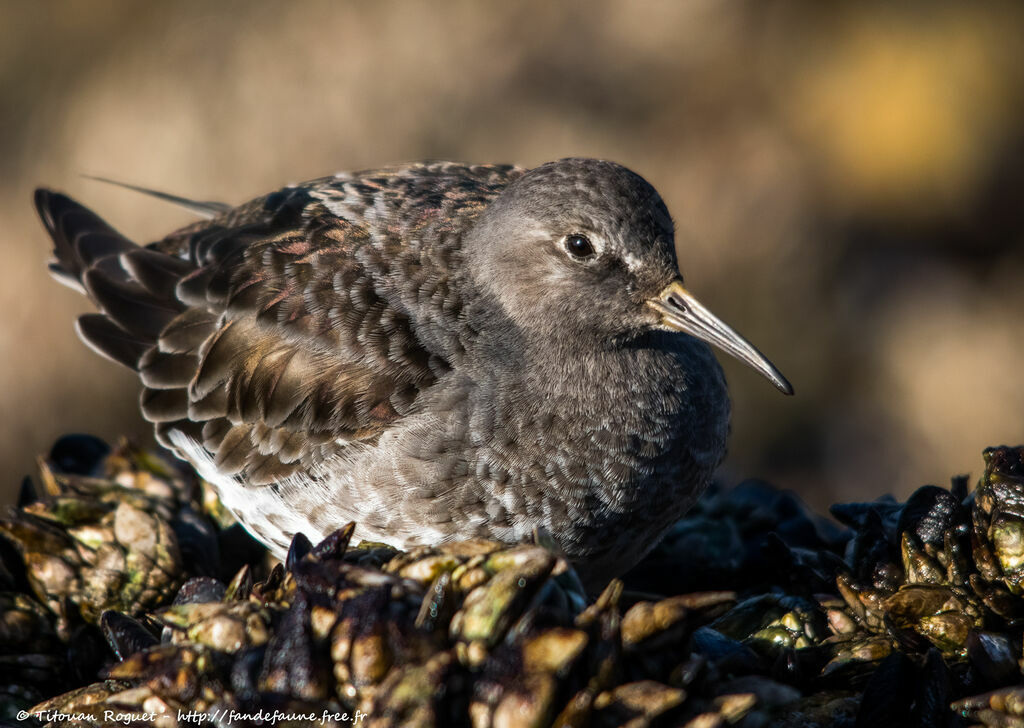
<point x="584" y="248"/>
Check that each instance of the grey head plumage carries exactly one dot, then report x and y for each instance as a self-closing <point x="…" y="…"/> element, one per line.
<point x="434" y="350"/>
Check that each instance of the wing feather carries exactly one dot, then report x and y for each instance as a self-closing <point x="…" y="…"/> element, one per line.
<point x="279" y="332"/>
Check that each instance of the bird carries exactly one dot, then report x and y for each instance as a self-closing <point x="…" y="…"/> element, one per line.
<point x="436" y="351"/>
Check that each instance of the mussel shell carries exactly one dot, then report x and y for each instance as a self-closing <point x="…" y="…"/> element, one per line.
<point x="929" y="514"/>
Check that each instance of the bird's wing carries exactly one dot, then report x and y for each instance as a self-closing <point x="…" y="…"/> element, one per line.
<point x="282" y="330"/>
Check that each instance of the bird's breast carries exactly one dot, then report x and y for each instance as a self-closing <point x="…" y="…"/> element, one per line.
<point x="607" y="439"/>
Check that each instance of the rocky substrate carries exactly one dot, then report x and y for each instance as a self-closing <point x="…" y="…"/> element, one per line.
<point x="128" y="597"/>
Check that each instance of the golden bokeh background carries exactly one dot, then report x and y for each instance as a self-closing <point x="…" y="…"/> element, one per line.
<point x="847" y="181"/>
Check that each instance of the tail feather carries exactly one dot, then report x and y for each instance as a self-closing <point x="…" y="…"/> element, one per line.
<point x="62" y="276"/>
<point x="93" y="246"/>
<point x="132" y="286"/>
<point x="80" y="237"/>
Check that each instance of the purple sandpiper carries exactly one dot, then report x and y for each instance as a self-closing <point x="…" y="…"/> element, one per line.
<point x="436" y="351"/>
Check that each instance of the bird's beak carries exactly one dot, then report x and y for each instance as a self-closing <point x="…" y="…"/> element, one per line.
<point x="680" y="311"/>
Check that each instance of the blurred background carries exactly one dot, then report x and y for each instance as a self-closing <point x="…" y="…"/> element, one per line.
<point x="847" y="182"/>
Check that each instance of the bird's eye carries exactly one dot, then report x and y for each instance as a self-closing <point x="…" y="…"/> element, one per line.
<point x="579" y="246"/>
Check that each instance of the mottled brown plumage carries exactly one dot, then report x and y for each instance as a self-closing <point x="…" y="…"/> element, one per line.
<point x="421" y="349"/>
